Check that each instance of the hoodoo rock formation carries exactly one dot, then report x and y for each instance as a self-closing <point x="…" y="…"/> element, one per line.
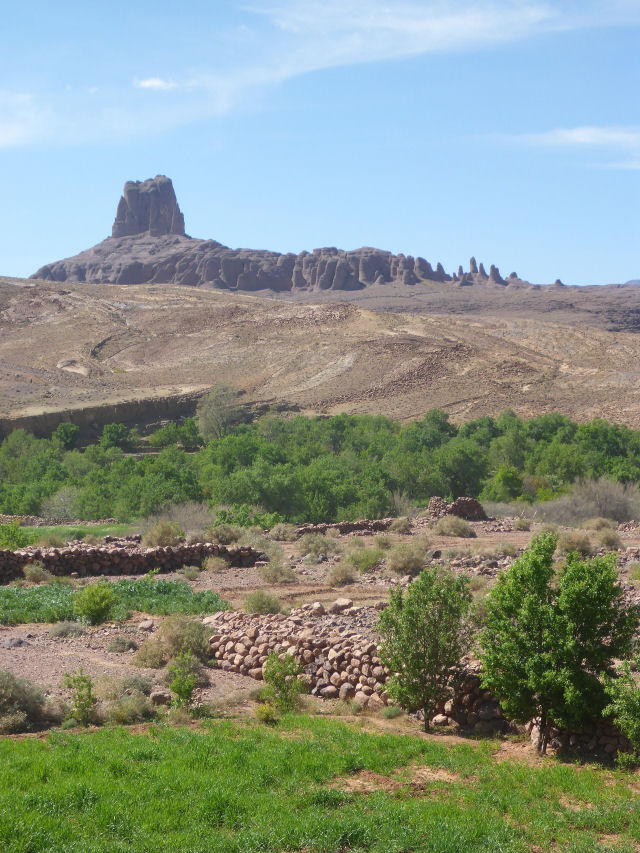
<point x="149" y="246"/>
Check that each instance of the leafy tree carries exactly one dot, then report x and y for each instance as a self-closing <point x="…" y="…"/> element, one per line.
<point x="548" y="641"/>
<point x="117" y="435"/>
<point x="505" y="485"/>
<point x="218" y="412"/>
<point x="183" y="678"/>
<point x="283" y="685"/>
<point x="624" y="706"/>
<point x="424" y="635"/>
<point x="67" y="435"/>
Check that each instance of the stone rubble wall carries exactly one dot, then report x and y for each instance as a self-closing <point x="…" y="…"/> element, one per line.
<point x="51" y="521"/>
<point x="123" y="558"/>
<point x="376" y="525"/>
<point x="468" y="508"/>
<point x="337" y="649"/>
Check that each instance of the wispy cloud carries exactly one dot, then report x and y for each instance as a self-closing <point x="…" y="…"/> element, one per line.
<point x="282" y="39"/>
<point x="155" y="83"/>
<point x="614" y="142"/>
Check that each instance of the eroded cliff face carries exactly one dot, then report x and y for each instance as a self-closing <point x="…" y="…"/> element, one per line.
<point x="149" y="245"/>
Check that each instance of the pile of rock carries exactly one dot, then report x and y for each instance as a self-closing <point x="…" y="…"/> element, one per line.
<point x="468" y="508"/>
<point x="121" y="558"/>
<point x="51" y="521"/>
<point x="597" y="738"/>
<point x="376" y="525"/>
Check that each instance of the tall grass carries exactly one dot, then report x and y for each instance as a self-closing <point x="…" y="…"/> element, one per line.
<point x="234" y="788"/>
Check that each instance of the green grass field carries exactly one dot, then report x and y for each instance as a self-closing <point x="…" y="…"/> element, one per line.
<point x="54" y="602"/>
<point x="233" y="787"/>
<point x="78" y="531"/>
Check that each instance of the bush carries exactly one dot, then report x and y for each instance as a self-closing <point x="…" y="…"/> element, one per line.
<point x="407" y="558"/>
<point x="283" y="532"/>
<point x="262" y="602"/>
<point x="579" y="543"/>
<point x="341" y="574"/>
<point x="50" y="540"/>
<point x="316" y="545"/>
<point x="122" y="644"/>
<point x="83" y="701"/>
<point x="424" y="635"/>
<point x="179" y="634"/>
<point x="610" y="539"/>
<point x="151" y="655"/>
<point x="365" y="559"/>
<point x="522" y="524"/>
<point x="400" y="525"/>
<point x="183" y="677"/>
<point x="549" y="640"/>
<point x="191" y="573"/>
<point x="451" y="525"/>
<point x="383" y="542"/>
<point x="22" y="704"/>
<point x="226" y="534"/>
<point x="634" y="571"/>
<point x="391" y="712"/>
<point x="67" y="629"/>
<point x="215" y="564"/>
<point x="624" y="706"/>
<point x="283" y="685"/>
<point x="599" y="523"/>
<point x="95" y="602"/>
<point x="36" y="573"/>
<point x="12" y="537"/>
<point x="162" y="534"/>
<point x="275" y="571"/>
<point x="131" y="706"/>
<point x="267" y="713"/>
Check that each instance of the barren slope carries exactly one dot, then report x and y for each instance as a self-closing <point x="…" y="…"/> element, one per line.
<point x="73" y="345"/>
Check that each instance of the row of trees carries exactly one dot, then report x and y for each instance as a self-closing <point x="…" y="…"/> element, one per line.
<point x="547" y="647"/>
<point x="309" y="469"/>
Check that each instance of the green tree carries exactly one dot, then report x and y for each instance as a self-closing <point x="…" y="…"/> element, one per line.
<point x="283" y="685"/>
<point x="116" y="435"/>
<point x="218" y="412"/>
<point x="548" y="641"/>
<point x="424" y="635"/>
<point x="67" y="435"/>
<point x="624" y="706"/>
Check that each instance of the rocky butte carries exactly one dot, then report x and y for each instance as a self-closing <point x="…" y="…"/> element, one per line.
<point x="148" y="245"/>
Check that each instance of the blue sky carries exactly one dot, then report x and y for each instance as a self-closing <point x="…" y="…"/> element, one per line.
<point x="509" y="129"/>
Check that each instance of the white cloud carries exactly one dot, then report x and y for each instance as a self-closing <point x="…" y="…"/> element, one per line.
<point x="612" y="141"/>
<point x="155" y="83"/>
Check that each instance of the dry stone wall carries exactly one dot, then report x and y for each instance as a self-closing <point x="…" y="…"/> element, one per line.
<point x="468" y="508"/>
<point x="122" y="557"/>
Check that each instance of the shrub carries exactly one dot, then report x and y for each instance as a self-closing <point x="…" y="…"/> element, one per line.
<point x="83" y="701"/>
<point x="191" y="572"/>
<point x="599" y="523"/>
<point x="451" y="525"/>
<point x="406" y="559"/>
<point x="610" y="539"/>
<point x="131" y="706"/>
<point x="316" y="545"/>
<point x="215" y="564"/>
<point x="283" y="532"/>
<point x="365" y="559"/>
<point x="22" y="704"/>
<point x="67" y="629"/>
<point x="51" y="540"/>
<point x="634" y="571"/>
<point x="90" y="539"/>
<point x="151" y="654"/>
<point x="262" y="602"/>
<point x="424" y="635"/>
<point x="522" y="524"/>
<point x="400" y="525"/>
<point x="570" y="541"/>
<point x="283" y="684"/>
<point x="276" y="571"/>
<point x="624" y="706"/>
<point x="179" y="634"/>
<point x="162" y="534"/>
<point x="36" y="573"/>
<point x="95" y="602"/>
<point x="548" y="641"/>
<point x="267" y="713"/>
<point x="391" y="712"/>
<point x="383" y="542"/>
<point x="183" y="678"/>
<point x="12" y="537"/>
<point x="341" y="574"/>
<point x="122" y="644"/>
<point x="226" y="534"/>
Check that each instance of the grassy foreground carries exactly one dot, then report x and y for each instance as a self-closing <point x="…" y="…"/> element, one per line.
<point x="238" y="787"/>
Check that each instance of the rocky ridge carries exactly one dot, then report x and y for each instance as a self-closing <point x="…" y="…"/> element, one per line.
<point x="148" y="245"/>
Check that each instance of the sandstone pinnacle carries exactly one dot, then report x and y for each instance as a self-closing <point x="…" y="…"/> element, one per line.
<point x="148" y="207"/>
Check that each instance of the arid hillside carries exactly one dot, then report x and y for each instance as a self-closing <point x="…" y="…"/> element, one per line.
<point x="392" y="350"/>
